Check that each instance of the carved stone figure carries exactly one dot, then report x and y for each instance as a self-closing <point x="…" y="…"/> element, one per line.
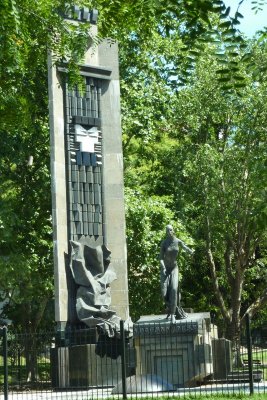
<point x="169" y="274"/>
<point x="92" y="272"/>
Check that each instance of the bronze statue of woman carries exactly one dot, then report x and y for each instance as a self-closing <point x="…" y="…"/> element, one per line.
<point x="169" y="274"/>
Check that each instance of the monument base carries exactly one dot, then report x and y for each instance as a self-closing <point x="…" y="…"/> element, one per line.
<point x="81" y="366"/>
<point x="180" y="352"/>
<point x="222" y="358"/>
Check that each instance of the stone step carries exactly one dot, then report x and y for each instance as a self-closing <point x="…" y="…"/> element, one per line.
<point x="243" y="372"/>
<point x="244" y="375"/>
<point x="254" y="362"/>
<point x="239" y="377"/>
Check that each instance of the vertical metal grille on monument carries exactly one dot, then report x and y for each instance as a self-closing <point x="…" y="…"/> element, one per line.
<point x="84" y="159"/>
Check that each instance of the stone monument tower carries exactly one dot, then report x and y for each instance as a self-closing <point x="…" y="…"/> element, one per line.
<point x="87" y="170"/>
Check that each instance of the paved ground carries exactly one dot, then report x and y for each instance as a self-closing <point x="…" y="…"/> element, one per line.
<point x="106" y="393"/>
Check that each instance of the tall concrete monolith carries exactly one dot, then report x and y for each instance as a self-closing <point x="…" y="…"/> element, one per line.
<point x="87" y="170"/>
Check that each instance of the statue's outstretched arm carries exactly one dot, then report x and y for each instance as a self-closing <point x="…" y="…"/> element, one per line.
<point x="185" y="247"/>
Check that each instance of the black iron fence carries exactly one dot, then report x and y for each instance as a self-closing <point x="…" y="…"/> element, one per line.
<point x="159" y="359"/>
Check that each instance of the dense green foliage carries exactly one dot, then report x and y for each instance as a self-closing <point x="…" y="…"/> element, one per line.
<point x="205" y="146"/>
<point x="193" y="113"/>
<point x="146" y="218"/>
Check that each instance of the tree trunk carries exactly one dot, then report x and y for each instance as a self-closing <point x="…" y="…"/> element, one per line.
<point x="233" y="332"/>
<point x="31" y="342"/>
<point x="31" y="357"/>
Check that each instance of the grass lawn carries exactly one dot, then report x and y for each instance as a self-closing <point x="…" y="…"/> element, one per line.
<point x="213" y="397"/>
<point x="18" y="373"/>
<point x="257" y="354"/>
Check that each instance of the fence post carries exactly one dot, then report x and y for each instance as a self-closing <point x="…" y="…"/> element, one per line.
<point x="5" y="356"/>
<point x="123" y="360"/>
<point x="250" y="361"/>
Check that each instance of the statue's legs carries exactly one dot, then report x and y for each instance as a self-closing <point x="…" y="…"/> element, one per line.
<point x="172" y="290"/>
<point x="169" y="288"/>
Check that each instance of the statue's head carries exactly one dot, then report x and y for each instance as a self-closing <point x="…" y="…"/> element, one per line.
<point x="169" y="231"/>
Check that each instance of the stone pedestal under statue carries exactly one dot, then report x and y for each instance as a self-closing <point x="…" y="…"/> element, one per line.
<point x="180" y="352"/>
<point x="81" y="366"/>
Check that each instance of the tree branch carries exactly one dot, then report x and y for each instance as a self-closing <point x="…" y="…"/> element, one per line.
<point x="40" y="312"/>
<point x="256" y="305"/>
<point x="215" y="281"/>
<point x="227" y="260"/>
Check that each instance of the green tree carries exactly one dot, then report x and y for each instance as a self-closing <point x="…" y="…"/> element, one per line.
<point x="203" y="144"/>
<point x="28" y="30"/>
<point x="217" y="175"/>
<point x="233" y="208"/>
<point x="146" y="221"/>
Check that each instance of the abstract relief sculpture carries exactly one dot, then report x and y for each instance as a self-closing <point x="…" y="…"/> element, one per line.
<point x="92" y="272"/>
<point x="84" y="155"/>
